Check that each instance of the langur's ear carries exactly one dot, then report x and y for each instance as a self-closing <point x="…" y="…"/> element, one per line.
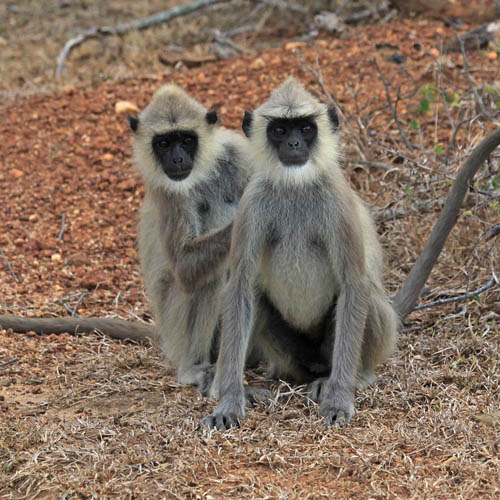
<point x="334" y="117"/>
<point x="133" y="122"/>
<point x="247" y="122"/>
<point x="211" y="117"/>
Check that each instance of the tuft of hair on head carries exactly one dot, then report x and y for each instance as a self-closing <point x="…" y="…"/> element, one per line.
<point x="173" y="109"/>
<point x="291" y="100"/>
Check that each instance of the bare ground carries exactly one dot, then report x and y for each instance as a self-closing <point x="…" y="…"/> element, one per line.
<point x="86" y="417"/>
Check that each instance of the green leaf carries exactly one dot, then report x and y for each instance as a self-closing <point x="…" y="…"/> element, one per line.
<point x="490" y="90"/>
<point x="495" y="182"/>
<point x="424" y="106"/>
<point x="439" y="149"/>
<point x="456" y="100"/>
<point x="430" y="91"/>
<point x="414" y="125"/>
<point x="409" y="190"/>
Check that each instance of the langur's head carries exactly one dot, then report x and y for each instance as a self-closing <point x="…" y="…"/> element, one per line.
<point x="293" y="135"/>
<point x="173" y="140"/>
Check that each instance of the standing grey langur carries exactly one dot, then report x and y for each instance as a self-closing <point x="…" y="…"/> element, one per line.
<point x="195" y="173"/>
<point x="306" y="264"/>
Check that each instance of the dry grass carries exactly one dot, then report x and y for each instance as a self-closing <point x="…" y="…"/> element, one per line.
<point x="106" y="420"/>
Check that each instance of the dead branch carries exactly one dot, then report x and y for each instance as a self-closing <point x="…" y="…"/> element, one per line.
<point x="120" y="29"/>
<point x="376" y="164"/>
<point x="494" y="231"/>
<point x="222" y="39"/>
<point x="392" y="108"/>
<point x="477" y="96"/>
<point x="10" y="362"/>
<point x="493" y="281"/>
<point x="63" y="227"/>
<point x="422" y="206"/>
<point x="114" y="328"/>
<point x="453" y="137"/>
<point x="408" y="294"/>
<point x="380" y="9"/>
<point x="7" y="263"/>
<point x="475" y="39"/>
<point x="281" y="4"/>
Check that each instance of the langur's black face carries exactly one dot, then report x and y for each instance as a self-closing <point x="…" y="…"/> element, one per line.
<point x="293" y="139"/>
<point x="175" y="151"/>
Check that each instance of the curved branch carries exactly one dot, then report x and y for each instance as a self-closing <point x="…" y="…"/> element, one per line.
<point x="408" y="294"/>
<point x="139" y="24"/>
<point x="114" y="328"/>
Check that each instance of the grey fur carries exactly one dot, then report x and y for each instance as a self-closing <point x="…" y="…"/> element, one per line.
<point x="306" y="270"/>
<point x="185" y="230"/>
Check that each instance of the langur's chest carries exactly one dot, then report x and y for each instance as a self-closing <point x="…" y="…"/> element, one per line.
<point x="298" y="277"/>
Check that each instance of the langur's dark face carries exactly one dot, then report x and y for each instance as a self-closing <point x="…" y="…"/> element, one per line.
<point x="175" y="151"/>
<point x="293" y="139"/>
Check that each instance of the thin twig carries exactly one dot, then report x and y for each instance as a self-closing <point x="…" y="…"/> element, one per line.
<point x="318" y="76"/>
<point x="63" y="227"/>
<point x="223" y="39"/>
<point x="453" y="137"/>
<point x="6" y="260"/>
<point x="479" y="99"/>
<point x="78" y="302"/>
<point x="376" y="164"/>
<point x="299" y="9"/>
<point x="493" y="281"/>
<point x="10" y="362"/>
<point x="391" y="107"/>
<point x="380" y="9"/>
<point x="494" y="231"/>
<point x="120" y="29"/>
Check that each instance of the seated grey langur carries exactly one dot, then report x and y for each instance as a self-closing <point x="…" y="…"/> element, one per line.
<point x="195" y="173"/>
<point x="306" y="265"/>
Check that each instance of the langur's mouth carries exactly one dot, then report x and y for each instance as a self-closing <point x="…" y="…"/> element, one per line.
<point x="294" y="163"/>
<point x="179" y="176"/>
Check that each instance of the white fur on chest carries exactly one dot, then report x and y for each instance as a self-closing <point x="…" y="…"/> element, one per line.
<point x="299" y="283"/>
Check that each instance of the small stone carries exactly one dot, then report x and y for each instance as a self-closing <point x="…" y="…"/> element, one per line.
<point x="107" y="157"/>
<point x="122" y="107"/>
<point x="294" y="45"/>
<point x="16" y="173"/>
<point x="56" y="257"/>
<point x="492" y="55"/>
<point x="6" y="382"/>
<point x="258" y="63"/>
<point x="127" y="185"/>
<point x="434" y="52"/>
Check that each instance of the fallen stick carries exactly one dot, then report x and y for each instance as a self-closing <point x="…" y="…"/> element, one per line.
<point x="138" y="24"/>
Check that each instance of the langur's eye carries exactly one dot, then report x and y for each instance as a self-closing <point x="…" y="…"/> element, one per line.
<point x="279" y="130"/>
<point x="163" y="143"/>
<point x="307" y="129"/>
<point x="187" y="141"/>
